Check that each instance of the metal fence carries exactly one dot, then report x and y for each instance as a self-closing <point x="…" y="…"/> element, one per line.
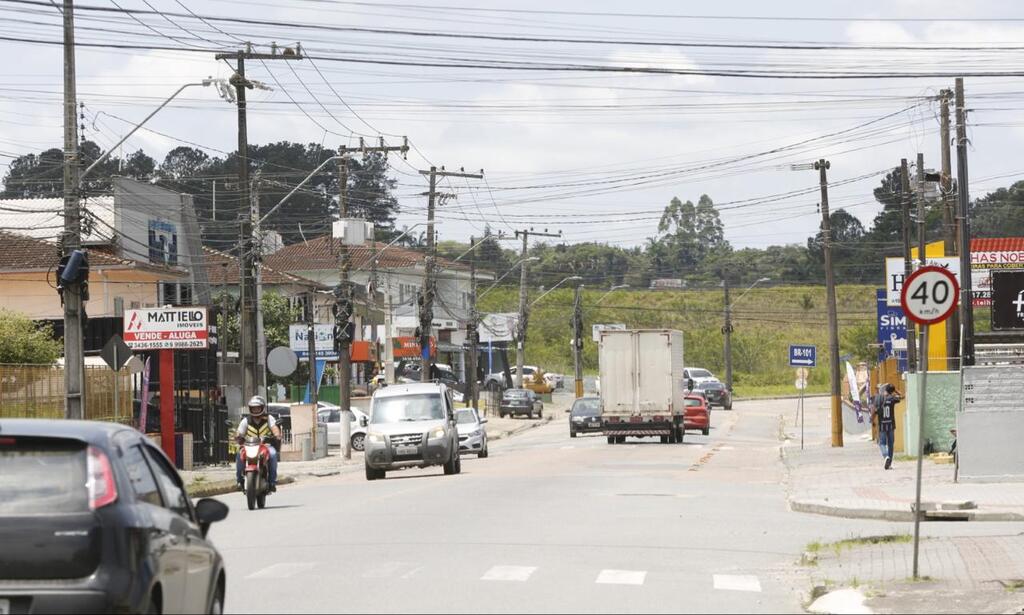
<point x="490" y="401"/>
<point x="37" y="391"/>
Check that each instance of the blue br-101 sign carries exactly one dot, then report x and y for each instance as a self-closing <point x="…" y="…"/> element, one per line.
<point x="802" y="356"/>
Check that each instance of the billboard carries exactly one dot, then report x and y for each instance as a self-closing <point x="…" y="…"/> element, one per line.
<point x="167" y="328"/>
<point x="498" y="327"/>
<point x="1007" y="299"/>
<point x="989" y="255"/>
<point x="895" y="272"/>
<point x="892" y="330"/>
<point x="298" y="341"/>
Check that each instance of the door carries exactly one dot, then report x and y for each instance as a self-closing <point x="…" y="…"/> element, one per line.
<point x="197" y="556"/>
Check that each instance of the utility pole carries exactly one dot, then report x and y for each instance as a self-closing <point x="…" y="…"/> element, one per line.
<point x="429" y="283"/>
<point x="577" y="339"/>
<point x="833" y="319"/>
<point x="343" y="293"/>
<point x="949" y="221"/>
<point x="727" y="331"/>
<point x="471" y="333"/>
<point x="314" y="394"/>
<point x="523" y="307"/>
<point x="908" y="263"/>
<point x="74" y="353"/>
<point x="964" y="214"/>
<point x="922" y="241"/>
<point x="248" y="325"/>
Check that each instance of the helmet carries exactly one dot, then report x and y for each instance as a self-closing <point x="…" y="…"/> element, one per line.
<point x="257" y="405"/>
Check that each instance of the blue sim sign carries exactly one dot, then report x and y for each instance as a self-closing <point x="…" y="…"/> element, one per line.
<point x="803" y="355"/>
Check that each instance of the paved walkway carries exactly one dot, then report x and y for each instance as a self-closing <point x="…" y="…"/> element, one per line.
<point x="851" y="482"/>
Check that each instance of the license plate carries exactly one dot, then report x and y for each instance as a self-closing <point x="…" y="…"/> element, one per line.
<point x="5" y="606"/>
<point x="406" y="450"/>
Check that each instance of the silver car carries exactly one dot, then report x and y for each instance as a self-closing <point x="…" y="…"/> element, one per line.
<point x="411" y="425"/>
<point x="472" y="433"/>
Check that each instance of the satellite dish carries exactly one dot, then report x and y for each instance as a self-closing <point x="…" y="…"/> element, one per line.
<point x="282" y="361"/>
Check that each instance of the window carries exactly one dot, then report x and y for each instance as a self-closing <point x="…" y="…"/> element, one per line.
<point x="141" y="477"/>
<point x="174" y="496"/>
<point x="185" y="294"/>
<point x="168" y="294"/>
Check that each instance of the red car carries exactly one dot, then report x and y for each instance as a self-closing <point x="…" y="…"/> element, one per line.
<point x="698" y="414"/>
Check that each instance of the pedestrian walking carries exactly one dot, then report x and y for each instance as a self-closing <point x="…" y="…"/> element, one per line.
<point x="887" y="423"/>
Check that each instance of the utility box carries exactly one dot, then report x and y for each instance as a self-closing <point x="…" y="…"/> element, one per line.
<point x="353" y="231"/>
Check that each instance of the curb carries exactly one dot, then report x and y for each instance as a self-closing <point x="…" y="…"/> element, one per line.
<point x="897" y="515"/>
<point x="226" y="486"/>
<point x="519" y="430"/>
<point x="770" y="397"/>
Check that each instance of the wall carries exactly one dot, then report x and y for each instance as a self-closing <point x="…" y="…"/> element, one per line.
<point x="31" y="293"/>
<point x="940" y="415"/>
<point x="991" y="427"/>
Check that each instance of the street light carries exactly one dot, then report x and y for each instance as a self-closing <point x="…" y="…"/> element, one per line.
<point x="504" y="275"/>
<point x="572" y="277"/>
<point x="727" y="328"/>
<point x="610" y="291"/>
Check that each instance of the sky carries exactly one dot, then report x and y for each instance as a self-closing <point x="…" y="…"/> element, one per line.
<point x="541" y="99"/>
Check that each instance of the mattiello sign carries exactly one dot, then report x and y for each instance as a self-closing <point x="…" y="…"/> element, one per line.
<point x="167" y="328"/>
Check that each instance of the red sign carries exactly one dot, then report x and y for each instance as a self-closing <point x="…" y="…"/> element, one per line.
<point x="364" y="351"/>
<point x="409" y="347"/>
<point x="929" y="295"/>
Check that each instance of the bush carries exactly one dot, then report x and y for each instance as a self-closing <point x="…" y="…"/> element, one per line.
<point x="22" y="341"/>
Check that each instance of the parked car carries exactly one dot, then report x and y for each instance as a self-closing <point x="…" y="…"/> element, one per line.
<point x="411" y="425"/>
<point x="716" y="394"/>
<point x="282" y="414"/>
<point x="698" y="414"/>
<point x="332" y="417"/>
<point x="472" y="433"/>
<point x="585" y="416"/>
<point x="698" y="375"/>
<point x="555" y="381"/>
<point x="515" y="402"/>
<point x="497" y="379"/>
<point x="95" y="519"/>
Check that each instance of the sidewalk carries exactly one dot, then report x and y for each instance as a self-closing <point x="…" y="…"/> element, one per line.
<point x="850" y="481"/>
<point x="218" y="479"/>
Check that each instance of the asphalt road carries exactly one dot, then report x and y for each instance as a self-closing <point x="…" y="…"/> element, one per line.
<point x="546" y="524"/>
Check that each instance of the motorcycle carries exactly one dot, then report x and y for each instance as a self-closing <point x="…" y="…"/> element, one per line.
<point x="256" y="460"/>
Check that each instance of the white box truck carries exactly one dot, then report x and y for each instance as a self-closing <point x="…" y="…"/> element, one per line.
<point x="641" y="384"/>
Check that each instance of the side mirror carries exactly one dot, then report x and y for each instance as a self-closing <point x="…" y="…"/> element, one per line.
<point x="363" y="421"/>
<point x="210" y="511"/>
<point x="482" y="421"/>
<point x="568" y="410"/>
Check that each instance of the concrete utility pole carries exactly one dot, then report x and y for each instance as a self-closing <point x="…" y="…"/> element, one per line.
<point x="314" y="394"/>
<point x="577" y="339"/>
<point x="248" y="325"/>
<point x="908" y="262"/>
<point x="343" y="294"/>
<point x="949" y="221"/>
<point x="524" y="310"/>
<point x="922" y="242"/>
<point x="964" y="211"/>
<point x="429" y="283"/>
<point x="74" y="352"/>
<point x="727" y="332"/>
<point x="472" y="333"/>
<point x="822" y="167"/>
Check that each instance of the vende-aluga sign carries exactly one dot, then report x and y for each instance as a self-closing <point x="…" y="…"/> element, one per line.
<point x="167" y="328"/>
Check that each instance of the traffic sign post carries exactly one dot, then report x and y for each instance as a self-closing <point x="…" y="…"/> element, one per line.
<point x="929" y="297"/>
<point x="803" y="374"/>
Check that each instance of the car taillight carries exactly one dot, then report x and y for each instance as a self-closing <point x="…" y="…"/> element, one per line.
<point x="613" y="419"/>
<point x="101" y="485"/>
<point x="658" y="418"/>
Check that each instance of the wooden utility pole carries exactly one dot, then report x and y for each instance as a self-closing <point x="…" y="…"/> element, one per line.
<point x="922" y="244"/>
<point x="524" y="309"/>
<point x="822" y="167"/>
<point x="908" y="263"/>
<point x="249" y="333"/>
<point x="949" y="224"/>
<point x="74" y="352"/>
<point x="577" y="339"/>
<point x="727" y="332"/>
<point x="426" y="307"/>
<point x="471" y="334"/>
<point x="963" y="215"/>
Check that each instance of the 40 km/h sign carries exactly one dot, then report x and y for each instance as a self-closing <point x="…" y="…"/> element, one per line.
<point x="930" y="295"/>
<point x="167" y="328"/>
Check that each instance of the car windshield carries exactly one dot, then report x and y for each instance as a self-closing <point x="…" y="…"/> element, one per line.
<point x="465" y="417"/>
<point x="692" y="402"/>
<point x="516" y="393"/>
<point x="712" y="386"/>
<point x="42" y="476"/>
<point x="700" y="373"/>
<point x="586" y="407"/>
<point x="420" y="407"/>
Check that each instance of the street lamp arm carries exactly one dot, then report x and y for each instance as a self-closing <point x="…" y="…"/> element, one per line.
<point x="610" y="291"/>
<point x="296" y="188"/>
<point x="748" y="290"/>
<point x="204" y="82"/>
<point x="573" y="277"/>
<point x="504" y="275"/>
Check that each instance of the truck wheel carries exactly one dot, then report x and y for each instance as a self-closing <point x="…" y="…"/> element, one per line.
<point x="611" y="439"/>
<point x="706" y="431"/>
<point x="665" y="439"/>
<point x="372" y="474"/>
<point x="620" y="439"/>
<point x="572" y="434"/>
<point x="449" y="466"/>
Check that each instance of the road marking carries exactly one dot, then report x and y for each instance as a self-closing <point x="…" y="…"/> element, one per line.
<point x="509" y="573"/>
<point x="737" y="582"/>
<point x="568" y="448"/>
<point x="281" y="571"/>
<point x="621" y="577"/>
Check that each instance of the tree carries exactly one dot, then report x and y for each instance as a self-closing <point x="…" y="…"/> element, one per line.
<point x="42" y="175"/>
<point x="999" y="213"/>
<point x="851" y="257"/>
<point x="489" y="254"/>
<point x="21" y="341"/>
<point x="370" y="193"/>
<point x="689" y="234"/>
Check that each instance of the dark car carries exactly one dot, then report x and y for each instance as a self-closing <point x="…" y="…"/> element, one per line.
<point x="520" y="401"/>
<point x="716" y="394"/>
<point x="94" y="519"/>
<point x="585" y="416"/>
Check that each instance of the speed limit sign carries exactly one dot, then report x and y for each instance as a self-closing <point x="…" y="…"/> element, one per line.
<point x="929" y="295"/>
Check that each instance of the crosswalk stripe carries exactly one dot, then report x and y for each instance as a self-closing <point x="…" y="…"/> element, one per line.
<point x="508" y="573"/>
<point x="737" y="582"/>
<point x="621" y="577"/>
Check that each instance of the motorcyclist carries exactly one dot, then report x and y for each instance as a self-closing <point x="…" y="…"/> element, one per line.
<point x="261" y="425"/>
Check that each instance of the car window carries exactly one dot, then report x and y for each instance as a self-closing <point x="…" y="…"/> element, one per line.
<point x="417" y="407"/>
<point x="700" y="373"/>
<point x="465" y="417"/>
<point x="143" y="482"/>
<point x="693" y="403"/>
<point x="42" y="476"/>
<point x="586" y="408"/>
<point x="174" y="496"/>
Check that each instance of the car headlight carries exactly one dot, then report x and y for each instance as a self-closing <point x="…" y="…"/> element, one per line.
<point x="437" y="433"/>
<point x="577" y="419"/>
<point x="375" y="437"/>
